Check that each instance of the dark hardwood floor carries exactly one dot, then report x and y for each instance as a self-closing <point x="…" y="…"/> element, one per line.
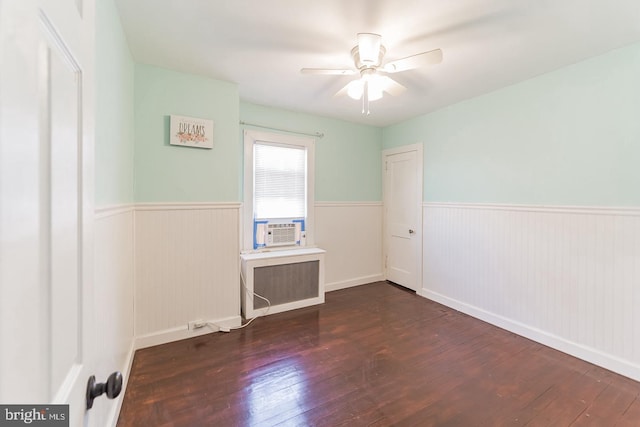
<point x="372" y="355"/>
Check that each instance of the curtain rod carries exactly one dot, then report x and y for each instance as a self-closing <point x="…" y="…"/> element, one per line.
<point x="316" y="134"/>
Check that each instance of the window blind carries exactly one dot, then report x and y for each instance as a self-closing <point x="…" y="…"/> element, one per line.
<point x="280" y="177"/>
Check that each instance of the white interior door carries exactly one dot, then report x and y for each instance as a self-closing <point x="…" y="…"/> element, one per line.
<point x="46" y="210"/>
<point x="403" y="215"/>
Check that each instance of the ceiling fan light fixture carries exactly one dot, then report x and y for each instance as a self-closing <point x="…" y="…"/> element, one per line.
<point x="356" y="89"/>
<point x="375" y="84"/>
<point x="368" y="56"/>
<point x="369" y="48"/>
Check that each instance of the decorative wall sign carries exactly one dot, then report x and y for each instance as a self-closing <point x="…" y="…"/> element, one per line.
<point x="191" y="132"/>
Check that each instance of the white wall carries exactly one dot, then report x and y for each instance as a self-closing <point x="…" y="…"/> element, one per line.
<point x="187" y="268"/>
<point x="567" y="277"/>
<point x="187" y="261"/>
<point x="113" y="299"/>
<point x="351" y="233"/>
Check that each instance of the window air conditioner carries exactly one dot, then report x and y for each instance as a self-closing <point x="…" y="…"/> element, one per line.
<point x="281" y="234"/>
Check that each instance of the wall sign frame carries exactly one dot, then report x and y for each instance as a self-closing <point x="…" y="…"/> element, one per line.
<point x="191" y="132"/>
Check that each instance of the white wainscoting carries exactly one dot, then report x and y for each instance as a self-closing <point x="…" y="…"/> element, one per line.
<point x="113" y="294"/>
<point x="567" y="277"/>
<point x="187" y="268"/>
<point x="351" y="233"/>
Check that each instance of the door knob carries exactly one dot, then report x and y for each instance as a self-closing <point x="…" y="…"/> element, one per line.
<point x="112" y="387"/>
<point x="411" y="231"/>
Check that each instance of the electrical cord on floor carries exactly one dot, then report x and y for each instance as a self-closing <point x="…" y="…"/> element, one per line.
<point x="250" y="295"/>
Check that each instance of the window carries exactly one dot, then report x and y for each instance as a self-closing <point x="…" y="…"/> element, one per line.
<point x="278" y="190"/>
<point x="279" y="181"/>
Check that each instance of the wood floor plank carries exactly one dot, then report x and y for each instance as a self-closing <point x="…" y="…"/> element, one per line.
<point x="374" y="355"/>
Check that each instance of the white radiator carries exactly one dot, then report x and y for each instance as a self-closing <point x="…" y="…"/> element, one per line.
<point x="289" y="279"/>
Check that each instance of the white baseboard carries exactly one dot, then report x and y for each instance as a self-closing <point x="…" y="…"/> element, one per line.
<point x="607" y="361"/>
<point x="176" y="334"/>
<point x="328" y="287"/>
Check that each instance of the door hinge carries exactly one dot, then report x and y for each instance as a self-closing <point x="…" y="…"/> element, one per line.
<point x="386" y="258"/>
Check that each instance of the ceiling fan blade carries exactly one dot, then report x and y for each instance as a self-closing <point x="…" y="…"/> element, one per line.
<point x="432" y="57"/>
<point x="327" y="71"/>
<point x="392" y="87"/>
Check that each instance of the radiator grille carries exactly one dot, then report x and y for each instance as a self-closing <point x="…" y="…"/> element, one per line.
<point x="286" y="282"/>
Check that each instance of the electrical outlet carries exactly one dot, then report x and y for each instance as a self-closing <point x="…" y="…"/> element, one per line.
<point x="196" y="324"/>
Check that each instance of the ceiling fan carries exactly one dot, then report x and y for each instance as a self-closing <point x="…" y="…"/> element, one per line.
<point x="368" y="58"/>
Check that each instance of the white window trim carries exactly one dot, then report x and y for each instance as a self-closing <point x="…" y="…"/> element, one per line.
<point x="250" y="137"/>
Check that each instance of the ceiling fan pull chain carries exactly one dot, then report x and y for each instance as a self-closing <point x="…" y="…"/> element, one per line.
<point x="365" y="97"/>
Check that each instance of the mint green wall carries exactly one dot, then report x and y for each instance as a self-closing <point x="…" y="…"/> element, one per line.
<point x="348" y="162"/>
<point x="114" y="110"/>
<point x="167" y="173"/>
<point x="570" y="137"/>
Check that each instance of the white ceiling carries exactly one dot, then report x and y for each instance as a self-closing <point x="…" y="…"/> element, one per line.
<point x="262" y="44"/>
